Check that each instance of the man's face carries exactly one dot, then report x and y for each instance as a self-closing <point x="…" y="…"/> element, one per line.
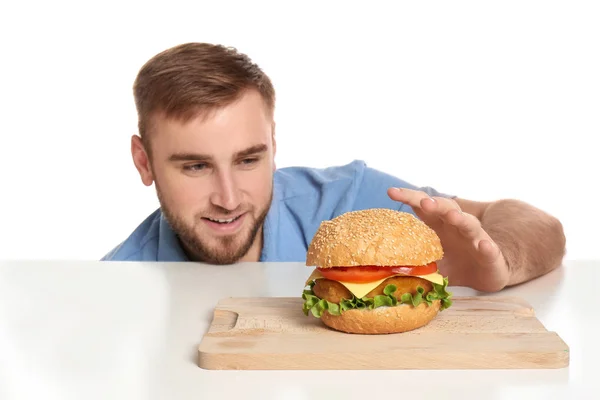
<point x="214" y="179"/>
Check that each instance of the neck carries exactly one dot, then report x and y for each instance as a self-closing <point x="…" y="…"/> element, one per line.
<point x="253" y="254"/>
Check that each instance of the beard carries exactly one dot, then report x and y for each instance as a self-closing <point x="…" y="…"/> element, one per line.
<point x="228" y="249"/>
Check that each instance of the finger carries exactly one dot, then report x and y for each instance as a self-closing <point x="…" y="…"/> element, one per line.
<point x="420" y="199"/>
<point x="467" y="224"/>
<point x="489" y="249"/>
<point x="408" y="196"/>
<point x="441" y="206"/>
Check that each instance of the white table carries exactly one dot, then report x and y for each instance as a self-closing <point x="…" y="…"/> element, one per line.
<point x="92" y="330"/>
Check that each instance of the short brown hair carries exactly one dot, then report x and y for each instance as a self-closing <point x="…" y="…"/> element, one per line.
<point x="191" y="78"/>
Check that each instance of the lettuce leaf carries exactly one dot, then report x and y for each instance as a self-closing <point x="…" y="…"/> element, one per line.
<point x="317" y="306"/>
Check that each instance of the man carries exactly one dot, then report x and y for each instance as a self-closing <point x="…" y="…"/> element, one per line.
<point x="207" y="142"/>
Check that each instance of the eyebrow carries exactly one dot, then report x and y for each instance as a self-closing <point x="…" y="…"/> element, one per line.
<point x="253" y="150"/>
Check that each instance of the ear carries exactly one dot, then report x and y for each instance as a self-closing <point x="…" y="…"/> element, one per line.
<point x="141" y="160"/>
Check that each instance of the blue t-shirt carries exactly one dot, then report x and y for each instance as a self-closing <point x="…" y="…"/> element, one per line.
<point x="302" y="198"/>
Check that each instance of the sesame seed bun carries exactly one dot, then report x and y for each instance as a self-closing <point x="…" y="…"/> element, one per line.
<point x="376" y="236"/>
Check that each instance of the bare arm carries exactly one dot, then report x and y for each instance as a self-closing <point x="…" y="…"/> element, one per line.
<point x="532" y="242"/>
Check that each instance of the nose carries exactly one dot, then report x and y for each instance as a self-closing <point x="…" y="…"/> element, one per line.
<point x="226" y="193"/>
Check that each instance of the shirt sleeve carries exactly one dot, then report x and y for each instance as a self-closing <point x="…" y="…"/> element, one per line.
<point x="373" y="186"/>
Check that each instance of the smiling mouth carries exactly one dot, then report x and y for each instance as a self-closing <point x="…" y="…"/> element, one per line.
<point x="223" y="221"/>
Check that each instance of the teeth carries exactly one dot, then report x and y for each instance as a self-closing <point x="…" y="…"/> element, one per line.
<point x="223" y="221"/>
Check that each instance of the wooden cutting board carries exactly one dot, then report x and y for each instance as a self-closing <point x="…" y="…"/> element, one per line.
<point x="475" y="333"/>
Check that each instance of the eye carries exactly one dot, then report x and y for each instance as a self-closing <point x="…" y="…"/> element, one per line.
<point x="194" y="167"/>
<point x="249" y="161"/>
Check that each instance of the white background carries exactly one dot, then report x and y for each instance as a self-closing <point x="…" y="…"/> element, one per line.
<point x="485" y="100"/>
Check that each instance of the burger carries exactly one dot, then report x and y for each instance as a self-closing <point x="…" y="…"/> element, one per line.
<point x="375" y="273"/>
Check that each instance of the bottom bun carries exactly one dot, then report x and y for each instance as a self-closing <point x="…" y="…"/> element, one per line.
<point x="381" y="320"/>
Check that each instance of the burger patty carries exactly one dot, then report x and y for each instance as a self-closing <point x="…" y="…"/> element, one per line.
<point x="334" y="291"/>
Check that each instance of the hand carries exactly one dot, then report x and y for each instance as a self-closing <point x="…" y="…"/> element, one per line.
<point x="471" y="257"/>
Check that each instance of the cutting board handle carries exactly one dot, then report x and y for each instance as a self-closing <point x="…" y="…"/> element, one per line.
<point x="223" y="321"/>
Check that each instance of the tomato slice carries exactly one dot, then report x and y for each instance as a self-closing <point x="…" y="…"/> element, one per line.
<point x="371" y="273"/>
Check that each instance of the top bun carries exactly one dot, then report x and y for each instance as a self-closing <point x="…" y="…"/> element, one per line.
<point x="376" y="236"/>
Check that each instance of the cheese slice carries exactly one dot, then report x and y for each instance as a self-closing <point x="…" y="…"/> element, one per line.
<point x="361" y="289"/>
